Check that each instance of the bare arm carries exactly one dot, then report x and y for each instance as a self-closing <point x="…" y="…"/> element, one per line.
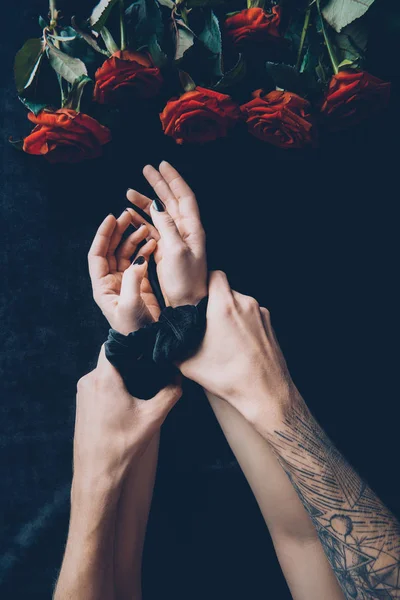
<point x="360" y="536"/>
<point x="116" y="439"/>
<point x="181" y="266"/>
<point x="241" y="362"/>
<point x="306" y="569"/>
<point x="131" y="522"/>
<point x="87" y="569"/>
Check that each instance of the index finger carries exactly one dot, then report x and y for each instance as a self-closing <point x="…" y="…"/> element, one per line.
<point x="97" y="257"/>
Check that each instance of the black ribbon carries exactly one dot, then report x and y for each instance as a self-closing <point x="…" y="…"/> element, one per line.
<point x="145" y="358"/>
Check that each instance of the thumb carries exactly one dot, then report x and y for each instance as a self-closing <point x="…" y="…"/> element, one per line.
<point x="165" y="224"/>
<point x="165" y="399"/>
<point x="132" y="280"/>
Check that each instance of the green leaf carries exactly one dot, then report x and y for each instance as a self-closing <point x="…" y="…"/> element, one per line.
<point x="143" y="22"/>
<point x="345" y="63"/>
<point x="351" y="42"/>
<point x="158" y="57"/>
<point x="212" y="40"/>
<point x="34" y="107"/>
<point x="74" y="97"/>
<point x="211" y="34"/>
<point x="339" y="13"/>
<point x="233" y="76"/>
<point x="88" y="38"/>
<point x="204" y="3"/>
<point x="184" y="38"/>
<point x="27" y="64"/>
<point x="167" y="3"/>
<point x="255" y="3"/>
<point x="285" y="77"/>
<point x="108" y="40"/>
<point x="43" y="23"/>
<point x="100" y="14"/>
<point x="68" y="67"/>
<point x="187" y="82"/>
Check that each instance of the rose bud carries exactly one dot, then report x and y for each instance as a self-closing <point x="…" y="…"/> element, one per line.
<point x="199" y="116"/>
<point x="353" y="96"/>
<point x="254" y="25"/>
<point x="280" y="118"/>
<point x="65" y="135"/>
<point x="127" y="73"/>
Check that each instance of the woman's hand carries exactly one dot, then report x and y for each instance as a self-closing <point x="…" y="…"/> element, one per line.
<point x="121" y="289"/>
<point x="180" y="254"/>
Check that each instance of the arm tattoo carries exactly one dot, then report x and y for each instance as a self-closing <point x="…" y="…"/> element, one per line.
<point x="359" y="535"/>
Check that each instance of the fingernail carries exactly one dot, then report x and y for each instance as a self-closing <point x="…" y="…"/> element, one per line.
<point x="142" y="225"/>
<point x="128" y="190"/>
<point x="139" y="260"/>
<point x="110" y="214"/>
<point x="158" y="205"/>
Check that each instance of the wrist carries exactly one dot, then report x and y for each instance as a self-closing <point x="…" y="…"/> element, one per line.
<point x="92" y="487"/>
<point x="266" y="410"/>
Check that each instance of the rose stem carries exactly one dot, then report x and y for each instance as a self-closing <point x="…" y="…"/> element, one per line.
<point x="53" y="15"/>
<point x="122" y="24"/>
<point x="327" y="42"/>
<point x="53" y="25"/>
<point x="303" y="37"/>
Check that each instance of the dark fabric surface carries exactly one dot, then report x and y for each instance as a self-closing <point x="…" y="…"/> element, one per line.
<point x="312" y="236"/>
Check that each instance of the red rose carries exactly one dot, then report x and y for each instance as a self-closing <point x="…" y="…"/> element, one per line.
<point x="199" y="116"/>
<point x="127" y="71"/>
<point x="254" y="25"/>
<point x="352" y="96"/>
<point x="65" y="136"/>
<point x="280" y="118"/>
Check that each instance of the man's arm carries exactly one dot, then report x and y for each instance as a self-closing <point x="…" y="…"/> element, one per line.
<point x="87" y="568"/>
<point x="240" y="361"/>
<point x="296" y="542"/>
<point x="131" y="522"/>
<point x="116" y="438"/>
<point x="360" y="536"/>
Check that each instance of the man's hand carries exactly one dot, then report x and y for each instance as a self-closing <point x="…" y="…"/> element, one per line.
<point x="111" y="429"/>
<point x="180" y="254"/>
<point x="121" y="289"/>
<point x="112" y="426"/>
<point x="239" y="359"/>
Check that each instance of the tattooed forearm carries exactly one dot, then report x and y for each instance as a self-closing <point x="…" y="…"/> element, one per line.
<point x="360" y="536"/>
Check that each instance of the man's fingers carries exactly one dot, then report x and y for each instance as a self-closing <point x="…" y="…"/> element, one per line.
<point x="166" y="225"/>
<point x="97" y="257"/>
<point x="162" y="189"/>
<point x="166" y="399"/>
<point x="139" y="200"/>
<point x="128" y="248"/>
<point x="105" y="370"/>
<point x="219" y="289"/>
<point x="138" y="220"/>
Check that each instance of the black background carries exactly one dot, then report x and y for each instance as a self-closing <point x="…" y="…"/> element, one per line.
<point x="312" y="235"/>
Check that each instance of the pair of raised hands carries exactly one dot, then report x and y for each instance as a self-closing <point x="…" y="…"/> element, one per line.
<point x="239" y="359"/>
